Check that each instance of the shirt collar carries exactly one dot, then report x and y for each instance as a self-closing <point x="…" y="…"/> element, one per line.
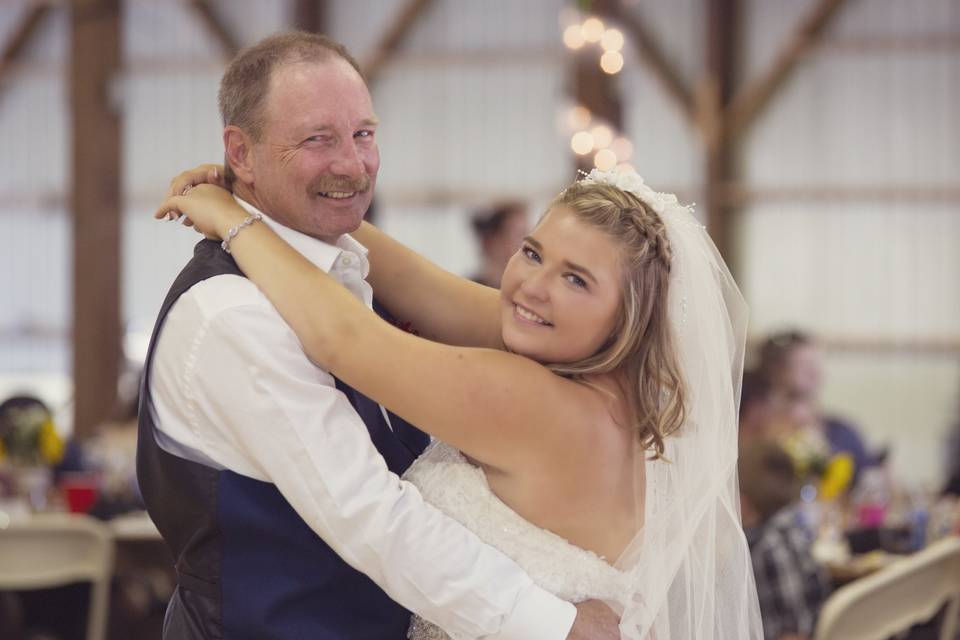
<point x="320" y="253"/>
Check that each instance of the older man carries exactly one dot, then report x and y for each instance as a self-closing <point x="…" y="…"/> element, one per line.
<point x="274" y="484"/>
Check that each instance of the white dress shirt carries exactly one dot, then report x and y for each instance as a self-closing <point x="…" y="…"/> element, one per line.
<point x="231" y="388"/>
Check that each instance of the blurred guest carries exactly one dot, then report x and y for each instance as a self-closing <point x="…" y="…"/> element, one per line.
<point x="755" y="407"/>
<point x="952" y="485"/>
<point x="791" y="586"/>
<point x="791" y="363"/>
<point x="499" y="229"/>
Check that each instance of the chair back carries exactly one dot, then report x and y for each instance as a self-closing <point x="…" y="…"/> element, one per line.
<point x="893" y="599"/>
<point x="51" y="550"/>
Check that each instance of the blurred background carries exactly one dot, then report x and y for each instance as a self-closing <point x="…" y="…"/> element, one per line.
<point x="818" y="138"/>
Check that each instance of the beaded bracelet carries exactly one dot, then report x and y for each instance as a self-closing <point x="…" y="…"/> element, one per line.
<point x="233" y="231"/>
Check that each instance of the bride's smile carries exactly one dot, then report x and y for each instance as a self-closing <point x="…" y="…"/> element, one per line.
<point x="561" y="290"/>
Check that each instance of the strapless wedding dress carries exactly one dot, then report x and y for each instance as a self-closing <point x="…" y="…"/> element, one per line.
<point x="458" y="488"/>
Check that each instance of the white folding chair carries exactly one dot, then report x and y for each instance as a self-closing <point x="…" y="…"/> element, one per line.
<point x="905" y="593"/>
<point x="49" y="550"/>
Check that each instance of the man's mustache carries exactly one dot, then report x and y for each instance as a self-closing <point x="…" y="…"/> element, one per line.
<point x="326" y="184"/>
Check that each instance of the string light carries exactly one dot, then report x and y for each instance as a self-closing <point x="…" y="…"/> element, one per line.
<point x="578" y="118"/>
<point x="605" y="160"/>
<point x="611" y="62"/>
<point x="573" y="36"/>
<point x="611" y="151"/>
<point x="612" y="40"/>
<point x="592" y="29"/>
<point x="602" y="136"/>
<point x="622" y="147"/>
<point x="582" y="143"/>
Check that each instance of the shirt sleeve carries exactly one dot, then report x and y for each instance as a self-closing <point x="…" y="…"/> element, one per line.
<point x="252" y="392"/>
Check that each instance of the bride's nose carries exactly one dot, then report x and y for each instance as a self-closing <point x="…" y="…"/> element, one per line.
<point x="535" y="286"/>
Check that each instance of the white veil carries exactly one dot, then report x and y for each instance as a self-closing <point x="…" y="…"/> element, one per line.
<point x="688" y="570"/>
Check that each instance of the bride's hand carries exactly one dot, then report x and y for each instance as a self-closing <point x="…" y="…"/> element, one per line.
<point x="211" y="210"/>
<point x="202" y="174"/>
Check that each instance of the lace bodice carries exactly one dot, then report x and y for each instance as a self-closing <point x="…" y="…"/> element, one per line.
<point x="449" y="482"/>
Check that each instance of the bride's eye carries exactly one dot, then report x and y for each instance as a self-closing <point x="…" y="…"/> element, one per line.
<point x="576" y="280"/>
<point x="530" y="254"/>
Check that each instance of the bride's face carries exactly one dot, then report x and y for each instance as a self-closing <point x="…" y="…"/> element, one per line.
<point x="561" y="291"/>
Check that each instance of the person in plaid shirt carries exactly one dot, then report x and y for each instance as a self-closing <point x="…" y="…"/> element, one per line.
<point x="791" y="586"/>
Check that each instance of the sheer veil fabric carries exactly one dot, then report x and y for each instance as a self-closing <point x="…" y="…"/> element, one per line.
<point x="688" y="568"/>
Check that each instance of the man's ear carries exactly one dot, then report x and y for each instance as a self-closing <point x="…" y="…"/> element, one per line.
<point x="239" y="152"/>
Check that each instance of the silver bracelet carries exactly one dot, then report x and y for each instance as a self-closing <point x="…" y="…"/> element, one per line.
<point x="233" y="231"/>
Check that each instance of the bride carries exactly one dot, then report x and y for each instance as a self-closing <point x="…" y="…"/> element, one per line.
<point x="585" y="413"/>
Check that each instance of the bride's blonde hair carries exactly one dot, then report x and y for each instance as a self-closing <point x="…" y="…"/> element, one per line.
<point x="640" y="347"/>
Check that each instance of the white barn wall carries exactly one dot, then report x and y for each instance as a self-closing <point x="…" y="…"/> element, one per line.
<point x="875" y="268"/>
<point x="456" y="132"/>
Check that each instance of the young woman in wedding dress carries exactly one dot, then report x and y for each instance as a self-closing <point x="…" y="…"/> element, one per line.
<point x="585" y="412"/>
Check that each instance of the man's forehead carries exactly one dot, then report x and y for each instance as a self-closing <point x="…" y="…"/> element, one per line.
<point x="330" y="89"/>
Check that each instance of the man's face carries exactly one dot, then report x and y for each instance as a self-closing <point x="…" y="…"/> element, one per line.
<point x="315" y="165"/>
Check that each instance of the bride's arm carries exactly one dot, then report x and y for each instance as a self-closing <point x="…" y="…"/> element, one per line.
<point x="504" y="410"/>
<point x="441" y="305"/>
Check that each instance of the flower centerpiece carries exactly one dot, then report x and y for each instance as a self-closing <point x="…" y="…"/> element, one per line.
<point x="28" y="437"/>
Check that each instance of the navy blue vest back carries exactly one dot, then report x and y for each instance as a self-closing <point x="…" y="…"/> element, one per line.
<point x="247" y="565"/>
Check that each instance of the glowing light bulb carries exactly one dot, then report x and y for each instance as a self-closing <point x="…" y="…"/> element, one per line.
<point x="623" y="148"/>
<point x="611" y="62"/>
<point x="592" y="29"/>
<point x="605" y="160"/>
<point x="573" y="37"/>
<point x="612" y="40"/>
<point x="578" y="117"/>
<point x="602" y="136"/>
<point x="582" y="142"/>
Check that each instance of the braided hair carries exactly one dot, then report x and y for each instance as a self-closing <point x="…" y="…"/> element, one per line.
<point x="640" y="347"/>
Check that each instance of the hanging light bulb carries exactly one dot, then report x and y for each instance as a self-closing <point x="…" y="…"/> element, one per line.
<point x="592" y="29"/>
<point x="573" y="36"/>
<point x="605" y="160"/>
<point x="582" y="143"/>
<point x="611" y="62"/>
<point x="578" y="118"/>
<point x="602" y="136"/>
<point x="623" y="148"/>
<point x="612" y="40"/>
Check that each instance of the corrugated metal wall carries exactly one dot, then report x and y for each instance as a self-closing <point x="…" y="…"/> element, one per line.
<point x="469" y="110"/>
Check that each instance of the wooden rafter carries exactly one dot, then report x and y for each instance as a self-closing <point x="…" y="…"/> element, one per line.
<point x="752" y="99"/>
<point x="20" y="37"/>
<point x="95" y="204"/>
<point x="226" y="40"/>
<point x="393" y="36"/>
<point x="723" y="24"/>
<point x="651" y="55"/>
<point x="309" y="15"/>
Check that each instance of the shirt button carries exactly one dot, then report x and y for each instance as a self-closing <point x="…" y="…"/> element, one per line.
<point x="347" y="261"/>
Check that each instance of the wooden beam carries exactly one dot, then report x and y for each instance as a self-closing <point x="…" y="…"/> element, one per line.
<point x="651" y="55"/>
<point x="226" y="40"/>
<point x="751" y="100"/>
<point x="310" y="15"/>
<point x="723" y="23"/>
<point x="932" y="347"/>
<point x="20" y="37"/>
<point x="393" y="36"/>
<point x="95" y="62"/>
<point x="914" y="43"/>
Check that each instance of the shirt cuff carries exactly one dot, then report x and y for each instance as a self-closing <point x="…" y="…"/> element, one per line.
<point x="538" y="615"/>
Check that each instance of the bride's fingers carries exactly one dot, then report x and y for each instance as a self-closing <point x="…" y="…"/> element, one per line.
<point x="192" y="177"/>
<point x="214" y="176"/>
<point x="169" y="209"/>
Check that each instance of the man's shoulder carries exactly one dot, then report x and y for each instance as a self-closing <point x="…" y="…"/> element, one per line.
<point x="225" y="294"/>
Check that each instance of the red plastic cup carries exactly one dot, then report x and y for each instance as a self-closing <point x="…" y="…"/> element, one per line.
<point x="80" y="491"/>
